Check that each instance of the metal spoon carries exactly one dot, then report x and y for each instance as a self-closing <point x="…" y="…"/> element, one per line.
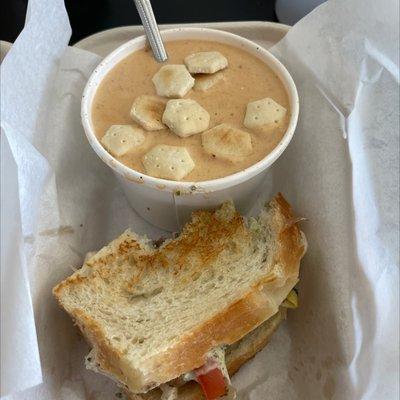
<point x="151" y="29"/>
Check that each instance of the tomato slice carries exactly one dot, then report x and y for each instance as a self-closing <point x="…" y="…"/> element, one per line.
<point x="212" y="383"/>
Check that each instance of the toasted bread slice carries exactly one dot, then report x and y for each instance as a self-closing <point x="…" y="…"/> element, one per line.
<point x="236" y="355"/>
<point x="154" y="314"/>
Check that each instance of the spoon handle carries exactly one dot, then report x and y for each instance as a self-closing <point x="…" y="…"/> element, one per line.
<point x="151" y="29"/>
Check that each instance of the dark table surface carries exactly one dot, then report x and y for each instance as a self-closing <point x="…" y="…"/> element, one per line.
<point x="90" y="16"/>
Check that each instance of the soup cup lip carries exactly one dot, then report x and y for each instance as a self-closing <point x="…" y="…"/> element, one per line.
<point x="181" y="34"/>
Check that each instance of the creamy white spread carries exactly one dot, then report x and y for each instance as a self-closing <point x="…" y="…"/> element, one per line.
<point x="189" y="376"/>
<point x="169" y="392"/>
<point x="215" y="359"/>
<point x="217" y="355"/>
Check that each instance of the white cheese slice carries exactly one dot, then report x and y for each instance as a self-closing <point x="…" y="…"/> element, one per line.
<point x="168" y="392"/>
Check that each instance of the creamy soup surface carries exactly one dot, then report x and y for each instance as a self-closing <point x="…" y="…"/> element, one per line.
<point x="246" y="79"/>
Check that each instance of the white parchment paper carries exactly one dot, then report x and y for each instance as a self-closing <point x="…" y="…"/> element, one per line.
<point x="341" y="172"/>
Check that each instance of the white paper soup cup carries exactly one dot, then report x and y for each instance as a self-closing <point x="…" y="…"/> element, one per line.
<point x="168" y="204"/>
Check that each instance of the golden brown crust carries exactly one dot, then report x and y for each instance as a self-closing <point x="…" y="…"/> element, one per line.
<point x="120" y="247"/>
<point x="225" y="328"/>
<point x="236" y="356"/>
<point x="199" y="242"/>
<point x="229" y="326"/>
<point x="107" y="357"/>
<point x="292" y="244"/>
<point x="246" y="314"/>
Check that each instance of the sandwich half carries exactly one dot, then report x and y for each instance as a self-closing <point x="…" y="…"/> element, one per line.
<point x="235" y="356"/>
<point x="161" y="317"/>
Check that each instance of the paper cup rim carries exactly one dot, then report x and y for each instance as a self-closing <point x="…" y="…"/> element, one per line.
<point x="190" y="34"/>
